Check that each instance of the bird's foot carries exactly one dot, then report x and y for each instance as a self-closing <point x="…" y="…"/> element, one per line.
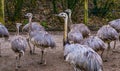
<point x="105" y="60"/>
<point x="19" y="66"/>
<point x="31" y="52"/>
<point x="34" y="53"/>
<point x="42" y="63"/>
<point x="16" y="69"/>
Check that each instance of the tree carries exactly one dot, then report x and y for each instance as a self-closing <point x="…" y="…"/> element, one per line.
<point x="86" y="11"/>
<point x="2" y="11"/>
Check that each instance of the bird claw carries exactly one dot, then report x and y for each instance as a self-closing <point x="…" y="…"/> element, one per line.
<point x="19" y="66"/>
<point x="105" y="60"/>
<point x="31" y="52"/>
<point x="34" y="53"/>
<point x="16" y="69"/>
<point x="42" y="63"/>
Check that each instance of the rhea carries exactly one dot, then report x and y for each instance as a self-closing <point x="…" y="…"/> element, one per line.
<point x="80" y="27"/>
<point x="3" y="34"/>
<point x="18" y="45"/>
<point x="107" y="34"/>
<point x="80" y="56"/>
<point x="35" y="26"/>
<point x="116" y="25"/>
<point x="95" y="43"/>
<point x="40" y="39"/>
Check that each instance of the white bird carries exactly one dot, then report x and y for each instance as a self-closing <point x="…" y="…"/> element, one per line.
<point x="80" y="56"/>
<point x="40" y="39"/>
<point x="3" y="34"/>
<point x="80" y="27"/>
<point x="18" y="45"/>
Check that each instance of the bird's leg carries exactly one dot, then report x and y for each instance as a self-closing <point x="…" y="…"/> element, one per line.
<point x="108" y="50"/>
<point x="114" y="44"/>
<point x="0" y="50"/>
<point x="44" y="58"/>
<point x="16" y="69"/>
<point x="119" y="36"/>
<point x="102" y="54"/>
<point x="42" y="53"/>
<point x="28" y="40"/>
<point x="33" y="49"/>
<point x="19" y="62"/>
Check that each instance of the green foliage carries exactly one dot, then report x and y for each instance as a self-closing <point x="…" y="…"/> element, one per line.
<point x="25" y="22"/>
<point x="101" y="8"/>
<point x="43" y="10"/>
<point x="13" y="9"/>
<point x="44" y="24"/>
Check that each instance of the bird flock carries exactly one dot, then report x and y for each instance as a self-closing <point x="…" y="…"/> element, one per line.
<point x="80" y="47"/>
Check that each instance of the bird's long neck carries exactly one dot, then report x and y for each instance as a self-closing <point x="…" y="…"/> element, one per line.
<point x="65" y="38"/>
<point x="18" y="30"/>
<point x="70" y="20"/>
<point x="30" y="24"/>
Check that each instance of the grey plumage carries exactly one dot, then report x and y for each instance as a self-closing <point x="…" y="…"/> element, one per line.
<point x="3" y="34"/>
<point x="3" y="31"/>
<point x="30" y="27"/>
<point x="40" y="39"/>
<point x="95" y="43"/>
<point x="35" y="26"/>
<point x="83" y="58"/>
<point x="18" y="45"/>
<point x="75" y="36"/>
<point x="107" y="33"/>
<point x="115" y="24"/>
<point x="80" y="56"/>
<point x="43" y="40"/>
<point x="81" y="27"/>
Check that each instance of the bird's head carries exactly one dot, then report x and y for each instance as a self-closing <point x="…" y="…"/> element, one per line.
<point x="62" y="14"/>
<point x="29" y="15"/>
<point x="18" y="25"/>
<point x="68" y="11"/>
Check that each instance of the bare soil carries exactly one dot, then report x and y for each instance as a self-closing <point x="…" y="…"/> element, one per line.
<point x="54" y="57"/>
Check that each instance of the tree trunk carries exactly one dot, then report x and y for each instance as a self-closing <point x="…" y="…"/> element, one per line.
<point x="2" y="11"/>
<point x="86" y="12"/>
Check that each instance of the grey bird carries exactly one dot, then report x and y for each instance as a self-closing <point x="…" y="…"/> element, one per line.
<point x="81" y="27"/>
<point x="74" y="36"/>
<point x="18" y="45"/>
<point x="40" y="39"/>
<point x="95" y="43"/>
<point x="116" y="25"/>
<point x="3" y="34"/>
<point x="107" y="34"/>
<point x="80" y="56"/>
<point x="35" y="26"/>
<point x="32" y="26"/>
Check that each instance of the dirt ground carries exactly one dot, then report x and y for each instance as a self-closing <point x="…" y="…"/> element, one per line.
<point x="54" y="57"/>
